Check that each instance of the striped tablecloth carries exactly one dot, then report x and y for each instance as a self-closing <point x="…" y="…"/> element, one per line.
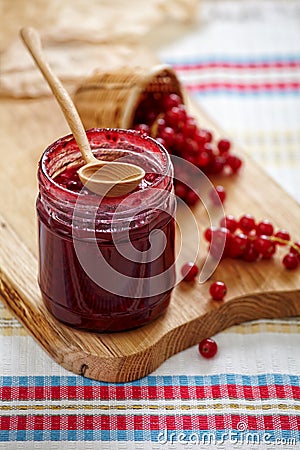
<point x="241" y="61"/>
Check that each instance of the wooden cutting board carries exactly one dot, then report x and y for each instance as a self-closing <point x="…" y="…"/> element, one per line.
<point x="260" y="290"/>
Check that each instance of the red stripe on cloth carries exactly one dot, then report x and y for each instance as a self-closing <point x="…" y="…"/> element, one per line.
<point x="147" y="392"/>
<point x="254" y="87"/>
<point x="122" y="422"/>
<point x="236" y="65"/>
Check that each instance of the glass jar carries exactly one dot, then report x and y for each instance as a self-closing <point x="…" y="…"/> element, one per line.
<point x="106" y="263"/>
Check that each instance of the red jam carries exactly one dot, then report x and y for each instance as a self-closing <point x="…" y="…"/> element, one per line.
<point x="102" y="265"/>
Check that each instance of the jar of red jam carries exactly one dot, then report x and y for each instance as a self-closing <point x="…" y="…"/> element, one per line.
<point x="106" y="263"/>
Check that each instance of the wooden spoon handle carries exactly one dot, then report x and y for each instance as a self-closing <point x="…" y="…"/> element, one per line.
<point x="32" y="41"/>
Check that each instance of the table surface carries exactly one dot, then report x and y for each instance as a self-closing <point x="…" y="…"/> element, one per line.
<point x="241" y="63"/>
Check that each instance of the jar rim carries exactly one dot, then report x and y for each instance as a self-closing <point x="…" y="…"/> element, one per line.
<point x="70" y="138"/>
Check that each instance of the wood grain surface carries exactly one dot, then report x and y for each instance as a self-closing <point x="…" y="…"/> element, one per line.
<point x="263" y="289"/>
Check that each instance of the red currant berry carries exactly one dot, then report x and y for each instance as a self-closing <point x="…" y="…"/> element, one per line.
<point x="234" y="162"/>
<point x="264" y="246"/>
<point x="143" y="128"/>
<point x="189" y="128"/>
<point x="208" y="135"/>
<point x="171" y="100"/>
<point x="238" y="246"/>
<point x="179" y="141"/>
<point x="247" y="223"/>
<point x="203" y="159"/>
<point x="175" y="116"/>
<point x="295" y="248"/>
<point x="191" y="197"/>
<point x="208" y="148"/>
<point x="208" y="233"/>
<point x="150" y="116"/>
<point x="191" y="146"/>
<point x="270" y="252"/>
<point x="168" y="135"/>
<point x="202" y="137"/>
<point x="290" y="261"/>
<point x="229" y="222"/>
<point x="160" y="124"/>
<point x="224" y="145"/>
<point x="218" y="194"/>
<point x="221" y="241"/>
<point x="282" y="235"/>
<point x="218" y="290"/>
<point x="208" y="348"/>
<point x="217" y="165"/>
<point x="265" y="227"/>
<point x="189" y="271"/>
<point x="250" y="254"/>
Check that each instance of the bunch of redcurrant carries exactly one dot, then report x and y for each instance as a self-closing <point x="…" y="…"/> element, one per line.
<point x="249" y="240"/>
<point x="165" y="118"/>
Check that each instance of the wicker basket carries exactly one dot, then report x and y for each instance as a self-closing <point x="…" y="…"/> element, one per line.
<point x="109" y="100"/>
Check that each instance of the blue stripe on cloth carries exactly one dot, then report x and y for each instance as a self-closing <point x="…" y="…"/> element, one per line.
<point x="203" y="437"/>
<point x="162" y="380"/>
